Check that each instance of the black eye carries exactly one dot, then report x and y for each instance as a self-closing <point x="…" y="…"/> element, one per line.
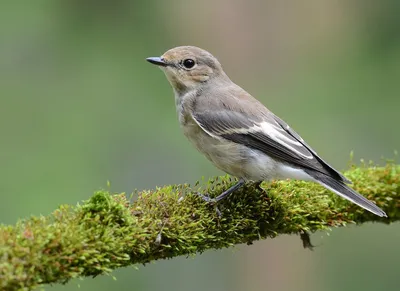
<point x="188" y="63"/>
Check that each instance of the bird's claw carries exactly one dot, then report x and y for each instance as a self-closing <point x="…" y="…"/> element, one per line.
<point x="206" y="198"/>
<point x="209" y="200"/>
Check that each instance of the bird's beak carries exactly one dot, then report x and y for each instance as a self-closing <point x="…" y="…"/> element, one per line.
<point x="157" y="61"/>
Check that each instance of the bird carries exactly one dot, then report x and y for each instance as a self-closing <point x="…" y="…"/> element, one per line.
<point x="237" y="133"/>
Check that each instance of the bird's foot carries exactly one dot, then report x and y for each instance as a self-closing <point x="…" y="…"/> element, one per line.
<point x="207" y="198"/>
<point x="210" y="200"/>
<point x="222" y="195"/>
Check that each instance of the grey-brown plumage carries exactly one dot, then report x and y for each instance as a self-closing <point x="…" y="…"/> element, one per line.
<point x="237" y="133"/>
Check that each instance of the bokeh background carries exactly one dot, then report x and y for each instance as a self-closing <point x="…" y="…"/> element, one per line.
<point x="79" y="106"/>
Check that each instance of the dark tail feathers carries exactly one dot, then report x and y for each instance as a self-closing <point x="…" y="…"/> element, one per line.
<point x="346" y="192"/>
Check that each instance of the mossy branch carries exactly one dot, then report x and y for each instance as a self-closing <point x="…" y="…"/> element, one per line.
<point x="108" y="231"/>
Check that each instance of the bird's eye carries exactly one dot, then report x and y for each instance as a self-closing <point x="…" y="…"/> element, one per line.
<point x="188" y="63"/>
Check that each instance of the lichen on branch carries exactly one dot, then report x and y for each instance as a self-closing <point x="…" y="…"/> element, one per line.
<point x="108" y="231"/>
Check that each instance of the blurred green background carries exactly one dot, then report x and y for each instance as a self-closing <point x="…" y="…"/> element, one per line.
<point x="80" y="105"/>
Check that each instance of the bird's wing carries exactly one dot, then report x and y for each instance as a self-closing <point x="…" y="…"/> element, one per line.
<point x="268" y="134"/>
<point x="294" y="134"/>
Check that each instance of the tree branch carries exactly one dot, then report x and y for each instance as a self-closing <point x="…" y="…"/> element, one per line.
<point x="108" y="232"/>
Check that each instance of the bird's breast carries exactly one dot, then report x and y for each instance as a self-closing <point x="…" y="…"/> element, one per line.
<point x="232" y="158"/>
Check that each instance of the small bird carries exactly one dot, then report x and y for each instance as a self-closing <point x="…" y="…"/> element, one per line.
<point x="237" y="133"/>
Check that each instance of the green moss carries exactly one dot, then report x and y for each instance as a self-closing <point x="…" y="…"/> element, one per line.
<point x="107" y="231"/>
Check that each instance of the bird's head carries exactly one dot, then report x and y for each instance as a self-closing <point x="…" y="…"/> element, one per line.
<point x="188" y="67"/>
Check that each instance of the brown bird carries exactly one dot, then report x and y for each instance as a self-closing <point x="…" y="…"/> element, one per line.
<point x="237" y="133"/>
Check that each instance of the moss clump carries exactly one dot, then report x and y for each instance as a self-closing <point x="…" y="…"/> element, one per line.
<point x="107" y="231"/>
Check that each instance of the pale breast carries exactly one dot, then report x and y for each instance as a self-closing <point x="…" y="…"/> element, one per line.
<point x="232" y="158"/>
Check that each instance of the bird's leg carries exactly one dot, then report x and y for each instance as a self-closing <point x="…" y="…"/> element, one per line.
<point x="223" y="194"/>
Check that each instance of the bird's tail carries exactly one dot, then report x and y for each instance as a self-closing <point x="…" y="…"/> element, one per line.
<point x="341" y="189"/>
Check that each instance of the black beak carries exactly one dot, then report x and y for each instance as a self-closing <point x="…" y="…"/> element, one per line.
<point x="157" y="61"/>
